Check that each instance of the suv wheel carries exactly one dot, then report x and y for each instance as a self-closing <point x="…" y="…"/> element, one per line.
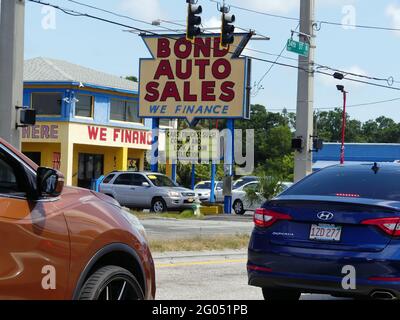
<point x="158" y="205"/>
<point x="280" y="294"/>
<point x="238" y="207"/>
<point x="111" y="283"/>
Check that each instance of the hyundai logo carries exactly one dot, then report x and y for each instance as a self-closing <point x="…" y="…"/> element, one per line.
<point x="325" y="215"/>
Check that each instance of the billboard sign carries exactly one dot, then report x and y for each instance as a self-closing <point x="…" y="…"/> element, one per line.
<point x="198" y="80"/>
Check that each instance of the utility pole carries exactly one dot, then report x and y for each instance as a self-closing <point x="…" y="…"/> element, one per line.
<point x="305" y="93"/>
<point x="11" y="67"/>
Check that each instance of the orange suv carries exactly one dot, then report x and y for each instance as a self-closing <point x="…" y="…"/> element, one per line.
<point x="61" y="242"/>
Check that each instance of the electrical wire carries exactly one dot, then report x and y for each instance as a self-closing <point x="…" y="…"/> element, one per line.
<point x="350" y="106"/>
<point x="144" y="31"/>
<point x="258" y="84"/>
<point x="390" y="80"/>
<point x="359" y="26"/>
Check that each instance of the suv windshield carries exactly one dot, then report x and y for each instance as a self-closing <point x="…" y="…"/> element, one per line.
<point x="351" y="181"/>
<point x="161" y="181"/>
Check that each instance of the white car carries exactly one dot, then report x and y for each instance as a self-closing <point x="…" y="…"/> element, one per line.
<point x="203" y="190"/>
<point x="240" y="204"/>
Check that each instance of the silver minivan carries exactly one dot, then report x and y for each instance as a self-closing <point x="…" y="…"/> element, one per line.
<point x="147" y="190"/>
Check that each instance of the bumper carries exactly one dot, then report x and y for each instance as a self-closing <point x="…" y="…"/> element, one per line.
<point x="180" y="203"/>
<point x="334" y="288"/>
<point x="321" y="271"/>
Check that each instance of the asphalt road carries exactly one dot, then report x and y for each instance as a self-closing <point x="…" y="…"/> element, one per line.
<point x="207" y="276"/>
<point x="181" y="229"/>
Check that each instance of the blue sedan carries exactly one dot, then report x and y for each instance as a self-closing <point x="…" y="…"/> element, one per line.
<point x="335" y="232"/>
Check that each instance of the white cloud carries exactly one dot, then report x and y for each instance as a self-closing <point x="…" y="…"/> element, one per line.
<point x="149" y="11"/>
<point x="393" y="11"/>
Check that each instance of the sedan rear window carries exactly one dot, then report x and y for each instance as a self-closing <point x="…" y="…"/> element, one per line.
<point x="361" y="181"/>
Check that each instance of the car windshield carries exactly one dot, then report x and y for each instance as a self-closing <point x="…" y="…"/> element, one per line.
<point x="239" y="183"/>
<point x="204" y="185"/>
<point x="161" y="181"/>
<point x="351" y="181"/>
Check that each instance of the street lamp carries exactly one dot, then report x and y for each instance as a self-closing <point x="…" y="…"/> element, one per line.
<point x="341" y="89"/>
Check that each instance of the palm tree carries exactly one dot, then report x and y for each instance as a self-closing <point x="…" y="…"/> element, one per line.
<point x="269" y="187"/>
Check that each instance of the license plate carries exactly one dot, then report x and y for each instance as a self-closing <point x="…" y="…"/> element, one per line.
<point x="325" y="232"/>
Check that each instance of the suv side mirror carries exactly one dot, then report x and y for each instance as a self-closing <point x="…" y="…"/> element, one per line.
<point x="146" y="184"/>
<point x="49" y="182"/>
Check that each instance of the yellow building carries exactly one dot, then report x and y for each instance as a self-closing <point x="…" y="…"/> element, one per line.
<point x="87" y="121"/>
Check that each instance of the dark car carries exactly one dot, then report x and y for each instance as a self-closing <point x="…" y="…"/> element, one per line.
<point x="335" y="232"/>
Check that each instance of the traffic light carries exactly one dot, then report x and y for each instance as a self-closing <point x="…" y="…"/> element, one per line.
<point x="227" y="29"/>
<point x="193" y="20"/>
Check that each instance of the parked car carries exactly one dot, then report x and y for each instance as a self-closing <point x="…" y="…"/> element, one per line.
<point x="219" y="192"/>
<point x="240" y="203"/>
<point x="203" y="190"/>
<point x="342" y="218"/>
<point x="147" y="190"/>
<point x="76" y="242"/>
<point x="244" y="180"/>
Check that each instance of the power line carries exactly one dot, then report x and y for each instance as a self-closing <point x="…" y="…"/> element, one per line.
<point x="389" y="80"/>
<point x="350" y="106"/>
<point x="259" y="12"/>
<point x="318" y="23"/>
<point x="258" y="84"/>
<point x="117" y="14"/>
<point x="144" y="31"/>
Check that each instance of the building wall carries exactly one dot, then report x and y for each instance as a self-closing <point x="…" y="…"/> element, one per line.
<point x="360" y="152"/>
<point x="47" y="151"/>
<point x="102" y="102"/>
<point x="69" y="135"/>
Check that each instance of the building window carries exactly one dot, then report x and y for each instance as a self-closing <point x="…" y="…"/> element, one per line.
<point x="84" y="106"/>
<point x="126" y="111"/>
<point x="133" y="164"/>
<point x="48" y="104"/>
<point x="90" y="168"/>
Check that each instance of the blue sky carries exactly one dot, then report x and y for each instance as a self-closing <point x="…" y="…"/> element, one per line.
<point x="107" y="48"/>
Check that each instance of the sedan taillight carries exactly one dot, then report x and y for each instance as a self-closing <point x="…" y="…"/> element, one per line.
<point x="264" y="218"/>
<point x="390" y="226"/>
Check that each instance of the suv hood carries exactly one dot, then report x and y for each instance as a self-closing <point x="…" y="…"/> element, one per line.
<point x="178" y="189"/>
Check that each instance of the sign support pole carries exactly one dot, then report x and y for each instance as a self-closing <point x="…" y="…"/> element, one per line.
<point x="305" y="93"/>
<point x="155" y="143"/>
<point x="174" y="172"/>
<point x="193" y="182"/>
<point x="229" y="163"/>
<point x="213" y="172"/>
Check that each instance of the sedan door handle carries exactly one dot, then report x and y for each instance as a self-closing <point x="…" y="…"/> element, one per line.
<point x="133" y="188"/>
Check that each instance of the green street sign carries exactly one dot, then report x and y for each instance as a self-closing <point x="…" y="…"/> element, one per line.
<point x="301" y="48"/>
